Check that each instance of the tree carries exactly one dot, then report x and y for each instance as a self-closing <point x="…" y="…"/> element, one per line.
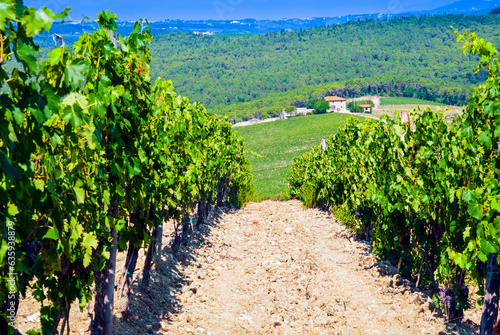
<point x="351" y="106"/>
<point x="264" y="115"/>
<point x="290" y="109"/>
<point x="311" y="104"/>
<point x="321" y="107"/>
<point x="355" y="106"/>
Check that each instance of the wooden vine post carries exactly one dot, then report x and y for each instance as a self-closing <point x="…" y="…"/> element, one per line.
<point x="109" y="298"/>
<point x="491" y="290"/>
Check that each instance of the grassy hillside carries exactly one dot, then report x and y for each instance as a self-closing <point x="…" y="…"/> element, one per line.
<point x="408" y="101"/>
<point x="223" y="70"/>
<point x="279" y="142"/>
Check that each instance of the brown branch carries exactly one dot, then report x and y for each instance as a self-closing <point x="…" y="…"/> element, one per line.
<point x="65" y="321"/>
<point x="36" y="163"/>
<point x="32" y="230"/>
<point x="86" y="180"/>
<point x="54" y="80"/>
<point x="97" y="68"/>
<point x="87" y="106"/>
<point x="2" y="57"/>
<point x="54" y="332"/>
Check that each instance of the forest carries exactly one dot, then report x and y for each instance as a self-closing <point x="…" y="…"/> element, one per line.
<point x="247" y="74"/>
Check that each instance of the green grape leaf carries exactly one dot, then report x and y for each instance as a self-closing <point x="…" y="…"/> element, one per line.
<point x="26" y="54"/>
<point x="89" y="242"/>
<point x="18" y="115"/>
<point x="485" y="139"/>
<point x="53" y="100"/>
<point x="79" y="192"/>
<point x="55" y="56"/>
<point x="37" y="106"/>
<point x="473" y="210"/>
<point x="39" y="296"/>
<point x="7" y="11"/>
<point x="52" y="233"/>
<point x="37" y="20"/>
<point x="40" y="184"/>
<point x="482" y="257"/>
<point x="75" y="73"/>
<point x="399" y="131"/>
<point x="64" y="14"/>
<point x="8" y="169"/>
<point x="135" y="168"/>
<point x="120" y="225"/>
<point x="12" y="209"/>
<point x="460" y="260"/>
<point x="73" y="111"/>
<point x="4" y="246"/>
<point x="487" y="247"/>
<point x="495" y="204"/>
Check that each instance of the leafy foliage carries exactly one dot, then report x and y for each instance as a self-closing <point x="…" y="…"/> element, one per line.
<point x="311" y="103"/>
<point x="321" y="107"/>
<point x="88" y="145"/>
<point x="427" y="191"/>
<point x="264" y="116"/>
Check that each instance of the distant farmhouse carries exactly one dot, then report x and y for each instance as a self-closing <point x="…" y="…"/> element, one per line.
<point x="336" y="103"/>
<point x="366" y="108"/>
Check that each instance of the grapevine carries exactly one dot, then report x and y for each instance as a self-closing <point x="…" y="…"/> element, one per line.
<point x="425" y="192"/>
<point x="93" y="158"/>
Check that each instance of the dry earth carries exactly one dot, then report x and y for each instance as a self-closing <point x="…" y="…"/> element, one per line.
<point x="273" y="268"/>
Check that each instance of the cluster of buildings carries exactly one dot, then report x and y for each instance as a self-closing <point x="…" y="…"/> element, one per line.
<point x="338" y="104"/>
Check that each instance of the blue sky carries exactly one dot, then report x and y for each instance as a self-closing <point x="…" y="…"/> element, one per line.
<point x="232" y="9"/>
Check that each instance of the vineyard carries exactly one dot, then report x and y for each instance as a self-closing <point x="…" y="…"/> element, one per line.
<point x="424" y="189"/>
<point x="93" y="159"/>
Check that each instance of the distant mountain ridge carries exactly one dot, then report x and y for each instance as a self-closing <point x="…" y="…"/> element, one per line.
<point x="466" y="7"/>
<point x="71" y="31"/>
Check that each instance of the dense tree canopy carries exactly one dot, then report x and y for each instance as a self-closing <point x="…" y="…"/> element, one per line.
<point x="321" y="107"/>
<point x="311" y="103"/>
<point x="414" y="56"/>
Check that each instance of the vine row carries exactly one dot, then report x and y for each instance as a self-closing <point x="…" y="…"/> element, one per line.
<point x="93" y="159"/>
<point x="424" y="188"/>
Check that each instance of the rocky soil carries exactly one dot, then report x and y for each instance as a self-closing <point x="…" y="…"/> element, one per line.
<point x="272" y="268"/>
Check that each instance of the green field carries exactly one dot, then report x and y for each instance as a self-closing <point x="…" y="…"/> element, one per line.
<point x="407" y="101"/>
<point x="279" y="142"/>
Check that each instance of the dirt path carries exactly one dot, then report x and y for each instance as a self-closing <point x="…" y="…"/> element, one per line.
<point x="270" y="268"/>
<point x="275" y="268"/>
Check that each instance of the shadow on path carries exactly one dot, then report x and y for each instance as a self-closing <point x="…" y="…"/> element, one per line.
<point x="152" y="308"/>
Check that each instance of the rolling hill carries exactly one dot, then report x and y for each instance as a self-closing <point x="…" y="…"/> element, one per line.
<point x="226" y="70"/>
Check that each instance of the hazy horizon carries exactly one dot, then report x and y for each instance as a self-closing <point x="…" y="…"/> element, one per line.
<point x="129" y="10"/>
